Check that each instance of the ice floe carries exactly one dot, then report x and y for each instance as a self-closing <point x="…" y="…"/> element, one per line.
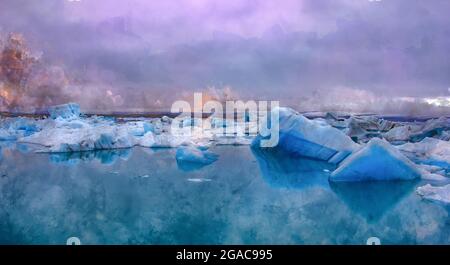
<point x="363" y="128"/>
<point x="14" y="128"/>
<point x="429" y="151"/>
<point x="348" y="142"/>
<point x="439" y="194"/>
<point x="193" y="154"/>
<point x="418" y="132"/>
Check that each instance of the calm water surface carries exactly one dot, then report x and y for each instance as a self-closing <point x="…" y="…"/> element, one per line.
<point x="143" y="196"/>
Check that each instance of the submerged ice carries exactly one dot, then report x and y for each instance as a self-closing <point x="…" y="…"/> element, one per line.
<point x="197" y="155"/>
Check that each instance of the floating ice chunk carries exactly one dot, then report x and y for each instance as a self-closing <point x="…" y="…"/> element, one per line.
<point x="157" y="126"/>
<point x="64" y="111"/>
<point x="400" y="133"/>
<point x="197" y="155"/>
<point x="57" y="137"/>
<point x="378" y="160"/>
<point x="198" y="180"/>
<point x="86" y="134"/>
<point x="148" y="140"/>
<point x="363" y="128"/>
<point x="166" y="119"/>
<point x="429" y="151"/>
<point x="168" y="140"/>
<point x="431" y="128"/>
<point x="432" y="176"/>
<point x="15" y="128"/>
<point x="308" y="138"/>
<point x="6" y="135"/>
<point x="416" y="132"/>
<point x="140" y="128"/>
<point x="439" y="194"/>
<point x="432" y="169"/>
<point x="110" y="141"/>
<point x="435" y="173"/>
<point x="372" y="123"/>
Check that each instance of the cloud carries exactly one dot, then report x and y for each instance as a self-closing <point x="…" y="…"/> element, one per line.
<point x="285" y="50"/>
<point x="362" y="101"/>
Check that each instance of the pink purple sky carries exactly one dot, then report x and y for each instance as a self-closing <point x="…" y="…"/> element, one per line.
<point x="311" y="54"/>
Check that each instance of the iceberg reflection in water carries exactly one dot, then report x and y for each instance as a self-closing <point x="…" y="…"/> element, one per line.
<point x="104" y="156"/>
<point x="141" y="196"/>
<point x="282" y="170"/>
<point x="372" y="199"/>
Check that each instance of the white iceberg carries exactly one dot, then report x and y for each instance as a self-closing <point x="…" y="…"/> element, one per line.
<point x="168" y="140"/>
<point x="378" y="160"/>
<point x="309" y="138"/>
<point x="64" y="111"/>
<point x="429" y="151"/>
<point x="147" y="140"/>
<point x="438" y="194"/>
<point x="196" y="155"/>
<point x="83" y="135"/>
<point x="401" y="133"/>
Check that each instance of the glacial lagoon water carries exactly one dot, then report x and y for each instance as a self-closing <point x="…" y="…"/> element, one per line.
<point x="143" y="196"/>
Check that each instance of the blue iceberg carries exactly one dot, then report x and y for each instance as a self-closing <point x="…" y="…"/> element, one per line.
<point x="12" y="129"/>
<point x="311" y="139"/>
<point x="65" y="111"/>
<point x="376" y="161"/>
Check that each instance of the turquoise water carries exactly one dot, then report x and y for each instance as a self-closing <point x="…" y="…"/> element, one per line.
<point x="142" y="196"/>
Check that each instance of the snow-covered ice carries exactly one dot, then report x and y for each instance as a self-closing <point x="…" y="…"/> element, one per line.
<point x="439" y="194"/>
<point x="429" y="151"/>
<point x="376" y="161"/>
